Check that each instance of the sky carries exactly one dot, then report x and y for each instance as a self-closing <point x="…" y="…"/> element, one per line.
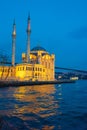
<point x="60" y="26"/>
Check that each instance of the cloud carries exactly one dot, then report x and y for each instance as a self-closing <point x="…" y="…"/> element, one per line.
<point x="80" y="33"/>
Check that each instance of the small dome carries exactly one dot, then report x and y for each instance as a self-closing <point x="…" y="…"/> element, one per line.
<point x="38" y="48"/>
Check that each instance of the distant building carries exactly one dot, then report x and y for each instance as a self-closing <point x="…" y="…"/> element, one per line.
<point x="37" y="63"/>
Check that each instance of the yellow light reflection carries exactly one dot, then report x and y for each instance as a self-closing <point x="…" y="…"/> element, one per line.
<point x="38" y="101"/>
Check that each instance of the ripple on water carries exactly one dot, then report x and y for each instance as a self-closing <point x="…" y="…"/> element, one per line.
<point x="50" y="107"/>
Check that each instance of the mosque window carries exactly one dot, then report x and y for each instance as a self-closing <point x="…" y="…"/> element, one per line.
<point x="36" y="69"/>
<point x="35" y="74"/>
<point x="46" y="64"/>
<point x="29" y="68"/>
<point x="33" y="68"/>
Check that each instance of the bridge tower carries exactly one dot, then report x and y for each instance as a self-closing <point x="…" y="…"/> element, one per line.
<point x="13" y="43"/>
<point x="28" y="40"/>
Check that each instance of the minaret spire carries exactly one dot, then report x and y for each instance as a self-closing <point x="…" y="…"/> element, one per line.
<point x="28" y="39"/>
<point x="13" y="43"/>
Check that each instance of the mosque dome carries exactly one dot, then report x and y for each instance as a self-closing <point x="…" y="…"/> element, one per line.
<point x="38" y="48"/>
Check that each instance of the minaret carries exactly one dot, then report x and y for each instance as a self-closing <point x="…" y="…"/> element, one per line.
<point x="28" y="40"/>
<point x="13" y="43"/>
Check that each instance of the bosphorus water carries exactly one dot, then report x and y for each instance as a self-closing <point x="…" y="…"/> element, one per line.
<point x="46" y="107"/>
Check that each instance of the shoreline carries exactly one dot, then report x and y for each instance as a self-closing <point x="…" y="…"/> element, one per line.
<point x="28" y="83"/>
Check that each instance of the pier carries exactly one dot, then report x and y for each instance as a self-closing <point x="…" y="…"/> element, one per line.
<point x="29" y="83"/>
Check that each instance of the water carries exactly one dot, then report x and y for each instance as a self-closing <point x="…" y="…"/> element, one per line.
<point x="46" y="107"/>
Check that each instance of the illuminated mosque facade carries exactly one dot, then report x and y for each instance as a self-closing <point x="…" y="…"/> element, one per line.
<point x="37" y="64"/>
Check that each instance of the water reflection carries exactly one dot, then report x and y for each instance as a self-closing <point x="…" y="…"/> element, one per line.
<point x="38" y="99"/>
<point x="48" y="107"/>
<point x="37" y="106"/>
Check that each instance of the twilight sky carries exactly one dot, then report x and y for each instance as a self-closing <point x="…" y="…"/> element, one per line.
<point x="60" y="26"/>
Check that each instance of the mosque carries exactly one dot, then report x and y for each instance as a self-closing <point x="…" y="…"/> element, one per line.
<point x="37" y="64"/>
